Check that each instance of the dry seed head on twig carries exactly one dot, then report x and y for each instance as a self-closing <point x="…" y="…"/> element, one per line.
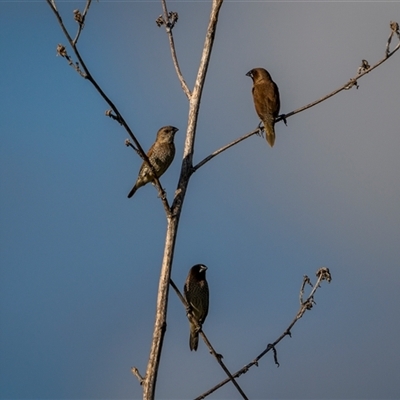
<point x="394" y="26"/>
<point x="61" y="50"/>
<point x="78" y="17"/>
<point x="363" y="67"/>
<point x="160" y="21"/>
<point x="324" y="274"/>
<point x="173" y="18"/>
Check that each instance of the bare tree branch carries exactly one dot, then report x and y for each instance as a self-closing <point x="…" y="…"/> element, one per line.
<point x="194" y="106"/>
<point x="136" y="372"/>
<point x="348" y="85"/>
<point x="216" y="355"/>
<point x="394" y="26"/>
<point x="150" y="380"/>
<point x="173" y="213"/>
<point x="322" y="274"/>
<point x="80" y="19"/>
<point x="226" y="147"/>
<point x="169" y="20"/>
<point x="118" y="116"/>
<point x="352" y="82"/>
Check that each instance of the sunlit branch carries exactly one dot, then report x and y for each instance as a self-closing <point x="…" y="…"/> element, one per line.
<point x="348" y="85"/>
<point x="150" y="381"/>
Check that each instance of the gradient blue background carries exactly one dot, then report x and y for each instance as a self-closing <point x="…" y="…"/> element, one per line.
<point x="80" y="262"/>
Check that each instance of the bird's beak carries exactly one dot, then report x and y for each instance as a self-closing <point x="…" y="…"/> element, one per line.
<point x="203" y="268"/>
<point x="249" y="74"/>
<point x="175" y="130"/>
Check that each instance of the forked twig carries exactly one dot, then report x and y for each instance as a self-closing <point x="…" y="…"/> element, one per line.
<point x="82" y="69"/>
<point x="216" y="355"/>
<point x="352" y="82"/>
<point x="322" y="274"/>
<point x="80" y="19"/>
<point x="169" y="20"/>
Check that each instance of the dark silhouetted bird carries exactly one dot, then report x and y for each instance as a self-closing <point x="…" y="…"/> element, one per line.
<point x="196" y="294"/>
<point x="266" y="100"/>
<point x="161" y="154"/>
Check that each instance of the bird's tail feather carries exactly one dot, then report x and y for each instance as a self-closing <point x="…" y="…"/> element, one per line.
<point x="194" y="338"/>
<point x="269" y="132"/>
<point x="132" y="192"/>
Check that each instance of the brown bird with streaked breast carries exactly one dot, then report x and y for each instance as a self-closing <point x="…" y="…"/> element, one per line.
<point x="266" y="100"/>
<point x="197" y="296"/>
<point x="161" y="155"/>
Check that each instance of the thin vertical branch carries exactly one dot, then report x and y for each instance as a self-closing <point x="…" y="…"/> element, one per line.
<point x="150" y="380"/>
<point x="194" y="106"/>
<point x="168" y="28"/>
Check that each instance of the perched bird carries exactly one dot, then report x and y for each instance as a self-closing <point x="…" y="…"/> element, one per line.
<point x="161" y="154"/>
<point x="196" y="294"/>
<point x="266" y="100"/>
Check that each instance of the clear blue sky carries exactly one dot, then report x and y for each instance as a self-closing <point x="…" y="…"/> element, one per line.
<point x="80" y="262"/>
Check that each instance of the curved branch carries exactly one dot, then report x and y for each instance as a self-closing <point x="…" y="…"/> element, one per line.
<point x="87" y="75"/>
<point x="217" y="356"/>
<point x="352" y="82"/>
<point x="322" y="274"/>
